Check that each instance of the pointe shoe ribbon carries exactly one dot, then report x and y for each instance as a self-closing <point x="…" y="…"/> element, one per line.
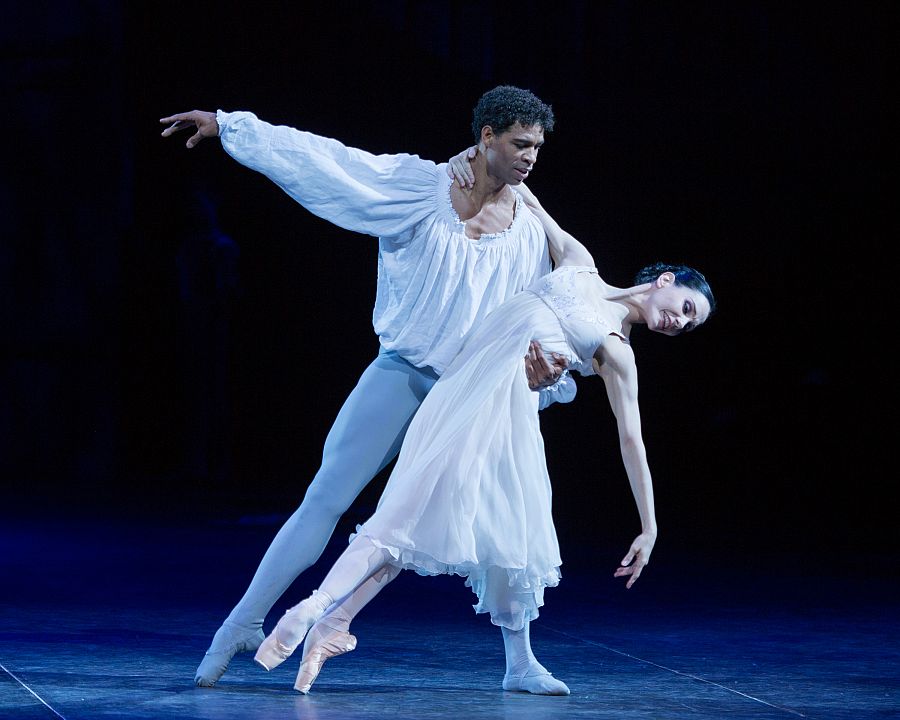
<point x="337" y="644"/>
<point x="290" y="630"/>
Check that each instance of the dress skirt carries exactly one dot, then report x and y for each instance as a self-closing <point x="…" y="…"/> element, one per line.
<point x="470" y="493"/>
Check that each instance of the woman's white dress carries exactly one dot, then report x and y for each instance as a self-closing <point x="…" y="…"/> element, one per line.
<point x="470" y="493"/>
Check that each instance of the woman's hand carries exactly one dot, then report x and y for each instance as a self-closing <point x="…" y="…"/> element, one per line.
<point x="459" y="167"/>
<point x="638" y="556"/>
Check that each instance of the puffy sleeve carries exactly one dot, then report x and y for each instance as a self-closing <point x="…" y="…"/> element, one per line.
<point x="380" y="195"/>
<point x="562" y="391"/>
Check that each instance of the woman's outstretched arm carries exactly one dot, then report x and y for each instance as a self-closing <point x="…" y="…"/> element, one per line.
<point x="619" y="373"/>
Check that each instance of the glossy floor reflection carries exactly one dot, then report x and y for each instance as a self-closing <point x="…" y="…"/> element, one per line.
<point x="102" y="621"/>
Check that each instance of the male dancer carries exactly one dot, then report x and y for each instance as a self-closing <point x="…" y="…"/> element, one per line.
<point x="447" y="256"/>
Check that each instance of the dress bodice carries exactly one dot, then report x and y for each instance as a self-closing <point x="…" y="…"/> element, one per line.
<point x="575" y="294"/>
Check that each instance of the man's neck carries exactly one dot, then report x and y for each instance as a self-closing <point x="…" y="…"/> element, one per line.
<point x="486" y="208"/>
<point x="488" y="190"/>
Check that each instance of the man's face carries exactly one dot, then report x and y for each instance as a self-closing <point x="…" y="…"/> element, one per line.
<point x="511" y="154"/>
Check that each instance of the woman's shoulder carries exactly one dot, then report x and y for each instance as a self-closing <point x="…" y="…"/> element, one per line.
<point x="616" y="355"/>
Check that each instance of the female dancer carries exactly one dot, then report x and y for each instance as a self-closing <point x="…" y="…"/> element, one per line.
<point x="470" y="493"/>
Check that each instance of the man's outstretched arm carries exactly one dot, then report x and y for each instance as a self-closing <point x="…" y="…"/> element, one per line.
<point x="380" y="195"/>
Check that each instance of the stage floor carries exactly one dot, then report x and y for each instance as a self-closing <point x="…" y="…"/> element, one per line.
<point x="105" y="620"/>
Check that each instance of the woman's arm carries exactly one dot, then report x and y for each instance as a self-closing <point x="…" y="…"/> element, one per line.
<point x="564" y="248"/>
<point x="619" y="373"/>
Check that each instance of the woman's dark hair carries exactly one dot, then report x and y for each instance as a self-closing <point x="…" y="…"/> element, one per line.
<point x="505" y="105"/>
<point x="684" y="275"/>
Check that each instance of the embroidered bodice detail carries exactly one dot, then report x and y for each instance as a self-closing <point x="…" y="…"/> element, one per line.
<point x="586" y="319"/>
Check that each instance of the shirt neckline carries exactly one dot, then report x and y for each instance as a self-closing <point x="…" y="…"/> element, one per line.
<point x="460" y="225"/>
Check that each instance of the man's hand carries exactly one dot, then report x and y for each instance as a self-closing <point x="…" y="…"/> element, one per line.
<point x="204" y="122"/>
<point x="459" y="167"/>
<point x="540" y="373"/>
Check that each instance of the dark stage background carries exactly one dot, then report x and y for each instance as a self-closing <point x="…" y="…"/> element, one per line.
<point x="179" y="334"/>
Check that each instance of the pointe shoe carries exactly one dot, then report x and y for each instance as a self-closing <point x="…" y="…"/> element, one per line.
<point x="542" y="683"/>
<point x="290" y="630"/>
<point x="336" y="642"/>
<point x="229" y="640"/>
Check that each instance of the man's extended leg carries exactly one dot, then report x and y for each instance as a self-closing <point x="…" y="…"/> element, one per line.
<point x="366" y="435"/>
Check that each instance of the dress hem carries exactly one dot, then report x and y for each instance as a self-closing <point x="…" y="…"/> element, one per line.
<point x="524" y="582"/>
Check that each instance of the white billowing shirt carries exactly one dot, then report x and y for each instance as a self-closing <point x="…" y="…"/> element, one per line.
<point x="434" y="282"/>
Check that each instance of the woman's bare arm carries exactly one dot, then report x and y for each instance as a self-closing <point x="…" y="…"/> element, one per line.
<point x="619" y="373"/>
<point x="564" y="248"/>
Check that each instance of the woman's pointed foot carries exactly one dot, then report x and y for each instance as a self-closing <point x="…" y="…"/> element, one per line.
<point x="323" y="643"/>
<point x="229" y="640"/>
<point x="290" y="630"/>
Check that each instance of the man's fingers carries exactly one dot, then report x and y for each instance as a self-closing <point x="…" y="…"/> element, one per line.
<point x="539" y="370"/>
<point x="176" y="126"/>
<point x="541" y="359"/>
<point x="194" y="139"/>
<point x="178" y="118"/>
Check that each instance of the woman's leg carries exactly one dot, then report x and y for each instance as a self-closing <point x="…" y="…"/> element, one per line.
<point x="330" y="636"/>
<point x="340" y="615"/>
<point x="360" y="561"/>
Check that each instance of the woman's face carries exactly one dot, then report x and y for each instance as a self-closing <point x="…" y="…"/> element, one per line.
<point x="673" y="309"/>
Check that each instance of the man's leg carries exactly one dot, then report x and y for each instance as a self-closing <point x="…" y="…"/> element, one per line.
<point x="366" y="435"/>
<point x="523" y="672"/>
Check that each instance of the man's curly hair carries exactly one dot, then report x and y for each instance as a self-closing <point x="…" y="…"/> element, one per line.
<point x="505" y="105"/>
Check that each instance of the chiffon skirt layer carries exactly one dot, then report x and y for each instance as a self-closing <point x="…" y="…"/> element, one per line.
<point x="470" y="493"/>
